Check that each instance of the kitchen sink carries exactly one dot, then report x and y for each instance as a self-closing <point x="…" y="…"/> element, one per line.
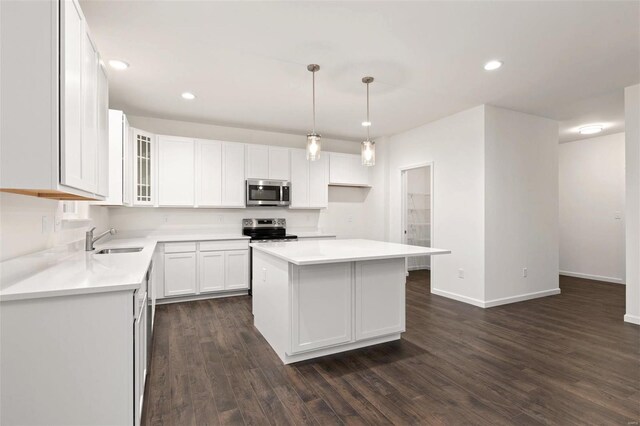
<point x="119" y="250"/>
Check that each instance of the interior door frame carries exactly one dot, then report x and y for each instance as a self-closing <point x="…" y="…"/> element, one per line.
<point x="403" y="204"/>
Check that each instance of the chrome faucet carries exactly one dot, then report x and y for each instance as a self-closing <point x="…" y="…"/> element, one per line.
<point x="90" y="240"/>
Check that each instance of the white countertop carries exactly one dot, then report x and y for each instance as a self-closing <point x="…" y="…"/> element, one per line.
<point x="311" y="252"/>
<point x="311" y="234"/>
<point x="57" y="273"/>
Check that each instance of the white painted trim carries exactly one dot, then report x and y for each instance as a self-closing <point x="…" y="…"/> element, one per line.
<point x="521" y="297"/>
<point x="593" y="277"/>
<point x="495" y="302"/>
<point x="288" y="359"/>
<point x="419" y="268"/>
<point x="632" y="319"/>
<point x="191" y="298"/>
<point x="458" y="297"/>
<point x="403" y="203"/>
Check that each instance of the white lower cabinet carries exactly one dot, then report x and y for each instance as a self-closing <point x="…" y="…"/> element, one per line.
<point x="236" y="270"/>
<point x="212" y="271"/>
<point x="207" y="267"/>
<point x="321" y="306"/>
<point x="380" y="301"/>
<point x="179" y="273"/>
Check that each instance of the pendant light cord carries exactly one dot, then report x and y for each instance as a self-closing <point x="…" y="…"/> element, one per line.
<point x="368" y="120"/>
<point x="314" y="100"/>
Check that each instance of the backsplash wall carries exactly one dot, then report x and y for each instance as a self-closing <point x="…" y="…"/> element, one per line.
<point x="23" y="229"/>
<point x="343" y="216"/>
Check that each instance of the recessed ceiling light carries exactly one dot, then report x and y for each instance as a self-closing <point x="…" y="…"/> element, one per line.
<point x="366" y="123"/>
<point x="188" y="95"/>
<point x="492" y="65"/>
<point x="118" y="65"/>
<point x="590" y="129"/>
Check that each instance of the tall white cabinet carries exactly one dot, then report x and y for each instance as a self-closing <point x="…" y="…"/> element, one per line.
<point x="63" y="90"/>
<point x="309" y="181"/>
<point x="176" y="171"/>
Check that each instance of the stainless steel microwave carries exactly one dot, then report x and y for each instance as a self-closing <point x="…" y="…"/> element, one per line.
<point x="268" y="192"/>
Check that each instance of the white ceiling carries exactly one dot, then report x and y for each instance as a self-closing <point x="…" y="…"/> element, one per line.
<point x="246" y="61"/>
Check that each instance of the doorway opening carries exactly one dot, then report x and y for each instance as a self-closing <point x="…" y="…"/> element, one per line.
<point x="417" y="212"/>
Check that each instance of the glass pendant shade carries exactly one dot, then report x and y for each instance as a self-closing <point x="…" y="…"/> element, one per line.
<point x="313" y="146"/>
<point x="368" y="153"/>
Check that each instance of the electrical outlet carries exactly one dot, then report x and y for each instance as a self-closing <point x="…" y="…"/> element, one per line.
<point x="525" y="272"/>
<point x="461" y="273"/>
<point x="617" y="216"/>
<point x="165" y="218"/>
<point x="350" y="219"/>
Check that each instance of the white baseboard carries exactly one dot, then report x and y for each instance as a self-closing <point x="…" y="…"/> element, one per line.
<point x="495" y="302"/>
<point x="593" y="277"/>
<point x="521" y="297"/>
<point x="419" y="268"/>
<point x="633" y="319"/>
<point x="192" y="298"/>
<point x="458" y="297"/>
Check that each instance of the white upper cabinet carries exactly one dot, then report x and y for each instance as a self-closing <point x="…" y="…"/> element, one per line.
<point x="267" y="162"/>
<point x="233" y="178"/>
<point x="309" y="181"/>
<point x="319" y="183"/>
<point x="89" y="146"/>
<point x="299" y="179"/>
<point x="116" y="173"/>
<point x="347" y="170"/>
<point x="72" y="55"/>
<point x="257" y="162"/>
<point x="62" y="89"/>
<point x="144" y="161"/>
<point x="104" y="144"/>
<point x="176" y="158"/>
<point x="208" y="173"/>
<point x="279" y="163"/>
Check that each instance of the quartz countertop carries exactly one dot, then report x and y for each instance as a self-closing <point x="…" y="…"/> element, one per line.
<point x="311" y="252"/>
<point x="53" y="273"/>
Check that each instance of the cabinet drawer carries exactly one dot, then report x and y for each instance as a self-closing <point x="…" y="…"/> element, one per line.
<point x="180" y="247"/>
<point x="224" y="245"/>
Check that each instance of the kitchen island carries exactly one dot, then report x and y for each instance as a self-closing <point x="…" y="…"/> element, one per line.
<point x="315" y="298"/>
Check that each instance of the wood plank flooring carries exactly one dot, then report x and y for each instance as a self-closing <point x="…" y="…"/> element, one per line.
<point x="567" y="359"/>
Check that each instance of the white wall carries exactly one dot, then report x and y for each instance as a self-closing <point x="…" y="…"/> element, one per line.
<point x="632" y="160"/>
<point x="592" y="183"/>
<point x="521" y="205"/>
<point x="21" y="228"/>
<point x="455" y="145"/>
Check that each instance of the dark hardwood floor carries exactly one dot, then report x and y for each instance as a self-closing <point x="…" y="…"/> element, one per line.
<point x="567" y="359"/>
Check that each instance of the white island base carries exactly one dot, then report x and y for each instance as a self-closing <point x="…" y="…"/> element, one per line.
<point x="311" y="308"/>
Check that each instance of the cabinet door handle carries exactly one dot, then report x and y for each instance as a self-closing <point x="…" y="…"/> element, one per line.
<point x="264" y="274"/>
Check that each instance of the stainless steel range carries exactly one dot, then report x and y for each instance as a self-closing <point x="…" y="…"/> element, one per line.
<point x="264" y="230"/>
<point x="261" y="230"/>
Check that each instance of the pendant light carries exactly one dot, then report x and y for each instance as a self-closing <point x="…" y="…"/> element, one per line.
<point x="313" y="139"/>
<point x="368" y="147"/>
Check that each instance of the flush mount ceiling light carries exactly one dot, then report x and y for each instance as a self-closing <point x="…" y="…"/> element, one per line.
<point x="368" y="148"/>
<point x="188" y="96"/>
<point x="492" y="65"/>
<point x="313" y="139"/>
<point x="118" y="65"/>
<point x="590" y="129"/>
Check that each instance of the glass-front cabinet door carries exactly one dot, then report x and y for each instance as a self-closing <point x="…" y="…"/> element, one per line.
<point x="143" y="168"/>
